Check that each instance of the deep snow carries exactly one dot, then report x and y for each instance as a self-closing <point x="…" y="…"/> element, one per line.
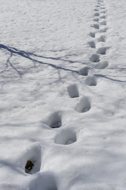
<point x="63" y="94"/>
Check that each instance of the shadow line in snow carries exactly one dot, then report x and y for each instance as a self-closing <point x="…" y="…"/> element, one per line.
<point x="33" y="57"/>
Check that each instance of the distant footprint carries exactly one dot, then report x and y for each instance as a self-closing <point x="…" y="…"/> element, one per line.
<point x="102" y="50"/>
<point x="83" y="106"/>
<point x="102" y="65"/>
<point x="66" y="137"/>
<point x="73" y="91"/>
<point x="102" y="12"/>
<point x="84" y="71"/>
<point x="96" y="19"/>
<point x="103" y="30"/>
<point x="92" y="34"/>
<point x="96" y="26"/>
<point x="91" y="81"/>
<point x="96" y="10"/>
<point x="92" y="44"/>
<point x="103" y="17"/>
<point x="102" y="38"/>
<point x="96" y="14"/>
<point x="102" y="7"/>
<point x="95" y="58"/>
<point x="103" y="22"/>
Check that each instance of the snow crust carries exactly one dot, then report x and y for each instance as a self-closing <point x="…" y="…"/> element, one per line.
<point x="63" y="94"/>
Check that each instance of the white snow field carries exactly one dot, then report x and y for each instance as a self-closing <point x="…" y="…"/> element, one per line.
<point x="63" y="94"/>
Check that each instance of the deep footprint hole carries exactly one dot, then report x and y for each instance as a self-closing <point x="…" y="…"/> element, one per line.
<point x="73" y="91"/>
<point x="54" y="121"/>
<point x="83" y="106"/>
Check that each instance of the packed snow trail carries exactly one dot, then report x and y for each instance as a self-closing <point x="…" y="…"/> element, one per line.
<point x="63" y="92"/>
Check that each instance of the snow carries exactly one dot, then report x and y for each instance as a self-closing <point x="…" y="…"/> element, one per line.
<point x="63" y="92"/>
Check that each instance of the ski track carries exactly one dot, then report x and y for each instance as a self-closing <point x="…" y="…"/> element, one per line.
<point x="57" y="135"/>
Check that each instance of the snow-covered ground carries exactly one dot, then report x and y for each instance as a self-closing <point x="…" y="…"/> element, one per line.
<point x="63" y="94"/>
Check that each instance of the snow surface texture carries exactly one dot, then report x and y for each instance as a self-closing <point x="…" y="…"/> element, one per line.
<point x="63" y="94"/>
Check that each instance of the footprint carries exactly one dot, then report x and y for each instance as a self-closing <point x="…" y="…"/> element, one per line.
<point x="95" y="58"/>
<point x="66" y="137"/>
<point x="103" y="7"/>
<point x="96" y="14"/>
<point x="73" y="91"/>
<point x="102" y="50"/>
<point x="84" y="71"/>
<point x="103" y="17"/>
<point x="102" y="65"/>
<point x="91" y="81"/>
<point x="103" y="22"/>
<point x="96" y="19"/>
<point x="83" y="106"/>
<point x="102" y="12"/>
<point x="92" y="34"/>
<point x="103" y="30"/>
<point x="95" y="9"/>
<point x="30" y="161"/>
<point x="101" y="38"/>
<point x="54" y="120"/>
<point x="96" y="26"/>
<point x="92" y="44"/>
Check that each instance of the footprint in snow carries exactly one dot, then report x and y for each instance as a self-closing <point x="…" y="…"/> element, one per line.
<point x="91" y="81"/>
<point x="95" y="58"/>
<point x="73" y="91"/>
<point x="102" y="65"/>
<point x="96" y="26"/>
<point x="96" y="10"/>
<point x="96" y="14"/>
<point x="92" y="44"/>
<point x="102" y="50"/>
<point x="102" y="38"/>
<point x="30" y="161"/>
<point x="102" y="12"/>
<point x="66" y="137"/>
<point x="92" y="34"/>
<point x="84" y="71"/>
<point x="54" y="120"/>
<point x="103" y="22"/>
<point x="103" y="17"/>
<point x="83" y="106"/>
<point x="96" y="19"/>
<point x="103" y="30"/>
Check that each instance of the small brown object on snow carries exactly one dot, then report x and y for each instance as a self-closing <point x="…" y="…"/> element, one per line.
<point x="29" y="165"/>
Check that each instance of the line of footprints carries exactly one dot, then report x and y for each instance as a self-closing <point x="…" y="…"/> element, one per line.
<point x="84" y="105"/>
